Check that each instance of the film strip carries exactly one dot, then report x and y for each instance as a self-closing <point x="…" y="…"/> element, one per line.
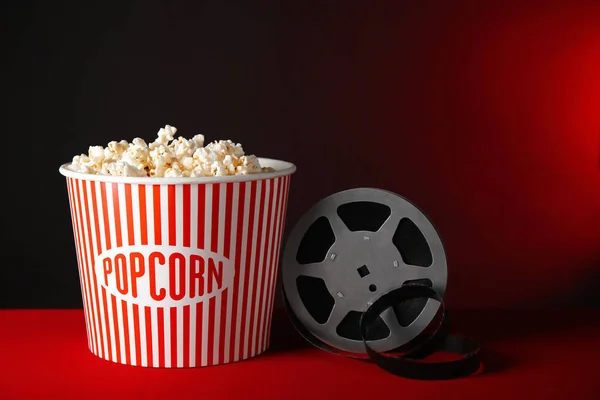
<point x="364" y="273"/>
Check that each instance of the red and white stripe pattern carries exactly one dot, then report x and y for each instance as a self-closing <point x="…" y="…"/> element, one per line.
<point x="242" y="221"/>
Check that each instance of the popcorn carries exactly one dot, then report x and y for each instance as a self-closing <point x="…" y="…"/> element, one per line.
<point x="168" y="156"/>
<point x="123" y="169"/>
<point x="96" y="154"/>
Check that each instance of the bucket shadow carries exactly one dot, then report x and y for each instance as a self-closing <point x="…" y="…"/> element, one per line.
<point x="284" y="337"/>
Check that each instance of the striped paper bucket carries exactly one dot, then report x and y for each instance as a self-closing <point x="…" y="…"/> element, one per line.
<point x="178" y="272"/>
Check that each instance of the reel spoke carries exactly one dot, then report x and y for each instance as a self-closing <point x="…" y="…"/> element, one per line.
<point x="314" y="270"/>
<point x="337" y="315"/>
<point x="337" y="225"/>
<point x="412" y="273"/>
<point x="391" y="321"/>
<point x="388" y="229"/>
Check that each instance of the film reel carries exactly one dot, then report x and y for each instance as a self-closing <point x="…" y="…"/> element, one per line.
<point x="350" y="249"/>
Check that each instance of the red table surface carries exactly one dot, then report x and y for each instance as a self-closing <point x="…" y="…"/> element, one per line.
<point x="527" y="354"/>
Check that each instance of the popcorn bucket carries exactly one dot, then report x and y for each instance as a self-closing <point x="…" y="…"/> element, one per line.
<point x="178" y="272"/>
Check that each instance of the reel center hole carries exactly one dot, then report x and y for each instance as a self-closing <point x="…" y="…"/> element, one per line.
<point x="363" y="271"/>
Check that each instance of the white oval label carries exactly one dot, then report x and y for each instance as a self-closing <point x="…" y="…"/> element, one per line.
<point x="163" y="276"/>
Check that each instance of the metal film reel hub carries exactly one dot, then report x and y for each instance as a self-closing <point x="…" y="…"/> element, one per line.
<point x="349" y="249"/>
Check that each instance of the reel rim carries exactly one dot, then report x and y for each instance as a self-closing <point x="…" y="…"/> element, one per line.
<point x="400" y="207"/>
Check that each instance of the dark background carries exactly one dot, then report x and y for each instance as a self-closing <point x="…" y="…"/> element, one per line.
<point x="486" y="114"/>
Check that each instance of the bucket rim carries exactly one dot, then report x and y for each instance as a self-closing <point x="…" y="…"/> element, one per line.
<point x="282" y="168"/>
